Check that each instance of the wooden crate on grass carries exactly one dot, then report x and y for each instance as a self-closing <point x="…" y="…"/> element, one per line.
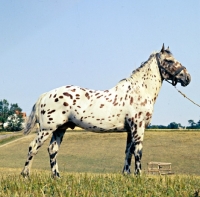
<point x="159" y="168"/>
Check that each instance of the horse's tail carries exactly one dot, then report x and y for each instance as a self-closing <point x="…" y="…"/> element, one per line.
<point x="31" y="121"/>
<point x="33" y="118"/>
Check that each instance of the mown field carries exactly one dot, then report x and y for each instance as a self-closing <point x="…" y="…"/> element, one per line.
<point x="91" y="164"/>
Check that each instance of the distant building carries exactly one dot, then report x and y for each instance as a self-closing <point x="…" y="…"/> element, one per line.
<point x="23" y="114"/>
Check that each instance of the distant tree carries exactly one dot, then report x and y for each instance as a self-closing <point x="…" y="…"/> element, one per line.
<point x="192" y="123"/>
<point x="198" y="125"/>
<point x="174" y="125"/>
<point x="14" y="123"/>
<point x="4" y="110"/>
<point x="14" y="108"/>
<point x="7" y="110"/>
<point x="156" y="127"/>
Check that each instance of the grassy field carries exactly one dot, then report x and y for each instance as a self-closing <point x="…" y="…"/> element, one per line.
<point x="90" y="165"/>
<point x="94" y="185"/>
<point x="104" y="153"/>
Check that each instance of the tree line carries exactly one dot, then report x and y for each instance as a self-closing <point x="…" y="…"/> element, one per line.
<point x="174" y="125"/>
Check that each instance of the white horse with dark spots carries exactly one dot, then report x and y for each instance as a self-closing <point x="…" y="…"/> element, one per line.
<point x="126" y="107"/>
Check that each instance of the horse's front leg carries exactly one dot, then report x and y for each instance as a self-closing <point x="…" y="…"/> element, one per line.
<point x="128" y="152"/>
<point x="138" y="157"/>
<point x="134" y="146"/>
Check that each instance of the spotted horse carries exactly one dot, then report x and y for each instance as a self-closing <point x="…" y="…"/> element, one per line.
<point x="126" y="107"/>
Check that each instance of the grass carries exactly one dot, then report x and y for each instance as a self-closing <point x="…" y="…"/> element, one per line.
<point x="86" y="184"/>
<point x="104" y="153"/>
<point x="9" y="139"/>
<point x="90" y="165"/>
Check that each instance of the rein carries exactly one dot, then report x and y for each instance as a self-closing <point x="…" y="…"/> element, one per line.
<point x="184" y="95"/>
<point x="187" y="97"/>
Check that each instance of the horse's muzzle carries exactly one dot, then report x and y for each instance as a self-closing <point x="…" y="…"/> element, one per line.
<point x="186" y="81"/>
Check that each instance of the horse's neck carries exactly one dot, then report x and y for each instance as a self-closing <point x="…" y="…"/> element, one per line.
<point x="147" y="78"/>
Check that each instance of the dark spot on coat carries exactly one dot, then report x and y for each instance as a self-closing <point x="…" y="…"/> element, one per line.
<point x="67" y="94"/>
<point x="101" y="106"/>
<point x="148" y="114"/>
<point x="131" y="101"/>
<point x="144" y="103"/>
<point x="51" y="111"/>
<point x="65" y="104"/>
<point x="43" y="112"/>
<point x="87" y="95"/>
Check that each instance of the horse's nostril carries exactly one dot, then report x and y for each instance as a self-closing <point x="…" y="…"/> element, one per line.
<point x="188" y="78"/>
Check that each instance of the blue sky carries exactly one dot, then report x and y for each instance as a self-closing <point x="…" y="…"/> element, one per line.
<point x="46" y="44"/>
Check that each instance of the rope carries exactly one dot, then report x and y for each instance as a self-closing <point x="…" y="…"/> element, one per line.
<point x="187" y="97"/>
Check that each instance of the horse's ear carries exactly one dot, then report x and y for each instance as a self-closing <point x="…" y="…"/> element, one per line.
<point x="168" y="48"/>
<point x="163" y="48"/>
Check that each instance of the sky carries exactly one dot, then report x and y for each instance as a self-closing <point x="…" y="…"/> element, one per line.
<point x="94" y="44"/>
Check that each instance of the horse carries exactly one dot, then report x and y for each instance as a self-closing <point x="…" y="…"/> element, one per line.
<point x="128" y="107"/>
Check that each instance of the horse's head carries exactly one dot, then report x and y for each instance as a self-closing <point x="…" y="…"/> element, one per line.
<point x="171" y="69"/>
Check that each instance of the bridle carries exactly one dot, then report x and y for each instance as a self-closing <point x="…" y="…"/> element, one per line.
<point x="174" y="80"/>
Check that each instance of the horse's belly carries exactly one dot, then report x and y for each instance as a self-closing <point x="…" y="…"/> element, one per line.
<point x="99" y="124"/>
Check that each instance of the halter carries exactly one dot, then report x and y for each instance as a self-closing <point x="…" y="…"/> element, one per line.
<point x="174" y="81"/>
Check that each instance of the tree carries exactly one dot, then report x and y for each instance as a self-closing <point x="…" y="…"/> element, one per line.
<point x="14" y="108"/>
<point x="4" y="110"/>
<point x="192" y="123"/>
<point x="14" y="123"/>
<point x="174" y="125"/>
<point x="7" y="110"/>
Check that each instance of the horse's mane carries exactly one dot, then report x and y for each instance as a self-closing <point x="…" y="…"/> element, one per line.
<point x="137" y="69"/>
<point x="143" y="64"/>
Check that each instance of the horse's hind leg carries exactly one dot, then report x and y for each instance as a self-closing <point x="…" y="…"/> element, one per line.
<point x="33" y="149"/>
<point x="53" y="149"/>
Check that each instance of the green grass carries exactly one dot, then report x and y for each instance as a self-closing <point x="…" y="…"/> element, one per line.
<point x="90" y="165"/>
<point x="85" y="184"/>
<point x="104" y="153"/>
<point x="9" y="139"/>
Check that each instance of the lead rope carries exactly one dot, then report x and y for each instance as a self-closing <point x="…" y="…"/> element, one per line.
<point x="187" y="97"/>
